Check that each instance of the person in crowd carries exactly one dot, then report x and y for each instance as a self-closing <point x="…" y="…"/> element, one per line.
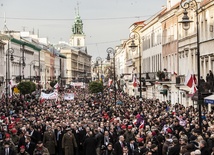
<point x="29" y="145"/>
<point x="128" y="135"/>
<point x="90" y="144"/>
<point x="15" y="138"/>
<point x="203" y="147"/>
<point x="33" y="134"/>
<point x="49" y="140"/>
<point x="9" y="141"/>
<point x="148" y="122"/>
<point x="40" y="149"/>
<point x="59" y="134"/>
<point x="175" y="148"/>
<point x="7" y="149"/>
<point x="167" y="143"/>
<point x="69" y="144"/>
<point x="118" y="146"/>
<point x="23" y="151"/>
<point x="132" y="146"/>
<point x="108" y="150"/>
<point x="125" y="150"/>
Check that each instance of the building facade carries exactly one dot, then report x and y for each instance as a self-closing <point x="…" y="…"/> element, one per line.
<point x="78" y="62"/>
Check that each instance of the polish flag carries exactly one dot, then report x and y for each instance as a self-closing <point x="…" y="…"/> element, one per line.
<point x="134" y="121"/>
<point x="190" y="80"/>
<point x="174" y="73"/>
<point x="56" y="86"/>
<point x="134" y="81"/>
<point x="193" y="89"/>
<point x="141" y="125"/>
<point x="110" y="81"/>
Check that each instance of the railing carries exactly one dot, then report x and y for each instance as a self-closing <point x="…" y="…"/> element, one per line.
<point x="151" y="77"/>
<point x="154" y="76"/>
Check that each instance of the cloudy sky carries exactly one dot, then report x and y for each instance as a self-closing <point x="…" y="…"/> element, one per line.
<point x="106" y="22"/>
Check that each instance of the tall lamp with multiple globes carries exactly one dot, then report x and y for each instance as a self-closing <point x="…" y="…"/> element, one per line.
<point x="192" y="4"/>
<point x="97" y="64"/>
<point x="9" y="57"/>
<point x="135" y="35"/>
<point x="109" y="51"/>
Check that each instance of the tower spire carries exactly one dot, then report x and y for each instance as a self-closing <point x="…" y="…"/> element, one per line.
<point x="5" y="23"/>
<point x="77" y="28"/>
<point x="77" y="8"/>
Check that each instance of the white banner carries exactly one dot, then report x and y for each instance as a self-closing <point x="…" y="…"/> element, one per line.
<point x="51" y="96"/>
<point x="69" y="96"/>
<point x="78" y="84"/>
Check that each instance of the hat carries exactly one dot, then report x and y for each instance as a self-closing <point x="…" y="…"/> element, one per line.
<point x="10" y="126"/>
<point x="123" y="127"/>
<point x="153" y="146"/>
<point x="7" y="135"/>
<point x="68" y="129"/>
<point x="39" y="142"/>
<point x="22" y="147"/>
<point x="140" y="140"/>
<point x="48" y="126"/>
<point x="14" y="131"/>
<point x="129" y="126"/>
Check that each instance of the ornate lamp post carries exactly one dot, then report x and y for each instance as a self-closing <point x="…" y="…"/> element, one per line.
<point x="9" y="57"/>
<point x="136" y="36"/>
<point x="32" y="63"/>
<point x="110" y="50"/>
<point x="192" y="4"/>
<point x="97" y="64"/>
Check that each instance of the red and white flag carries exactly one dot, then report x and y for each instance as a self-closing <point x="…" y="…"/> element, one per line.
<point x="56" y="86"/>
<point x="193" y="89"/>
<point x="134" y="81"/>
<point x="110" y="81"/>
<point x="190" y="80"/>
<point x="141" y="125"/>
<point x="174" y="73"/>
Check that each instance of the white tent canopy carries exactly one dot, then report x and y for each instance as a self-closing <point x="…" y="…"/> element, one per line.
<point x="209" y="99"/>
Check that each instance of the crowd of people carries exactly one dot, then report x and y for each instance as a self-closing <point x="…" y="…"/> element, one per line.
<point x="93" y="124"/>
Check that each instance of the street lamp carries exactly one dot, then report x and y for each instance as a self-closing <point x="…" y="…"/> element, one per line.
<point x="32" y="63"/>
<point x="9" y="57"/>
<point x="97" y="64"/>
<point x="186" y="25"/>
<point x="21" y="64"/>
<point x="135" y="35"/>
<point x="110" y="50"/>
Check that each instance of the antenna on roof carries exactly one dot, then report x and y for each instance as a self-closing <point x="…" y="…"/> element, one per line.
<point x="5" y="23"/>
<point x="77" y="8"/>
<point x="75" y="11"/>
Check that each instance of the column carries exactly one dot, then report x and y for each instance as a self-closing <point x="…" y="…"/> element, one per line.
<point x="204" y="69"/>
<point x="209" y="63"/>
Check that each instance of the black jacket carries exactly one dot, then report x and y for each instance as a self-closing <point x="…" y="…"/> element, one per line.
<point x="174" y="150"/>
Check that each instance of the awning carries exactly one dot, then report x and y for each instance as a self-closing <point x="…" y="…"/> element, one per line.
<point x="209" y="99"/>
<point x="164" y="92"/>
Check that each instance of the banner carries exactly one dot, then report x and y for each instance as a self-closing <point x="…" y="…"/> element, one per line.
<point x="51" y="96"/>
<point x="69" y="96"/>
<point x="78" y="84"/>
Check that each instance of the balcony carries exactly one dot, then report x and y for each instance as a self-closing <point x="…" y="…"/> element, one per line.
<point x="157" y="76"/>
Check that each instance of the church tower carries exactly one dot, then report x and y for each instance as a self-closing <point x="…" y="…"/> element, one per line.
<point x="78" y="37"/>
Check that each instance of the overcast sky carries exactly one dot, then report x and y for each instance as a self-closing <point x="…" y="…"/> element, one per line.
<point x="106" y="22"/>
